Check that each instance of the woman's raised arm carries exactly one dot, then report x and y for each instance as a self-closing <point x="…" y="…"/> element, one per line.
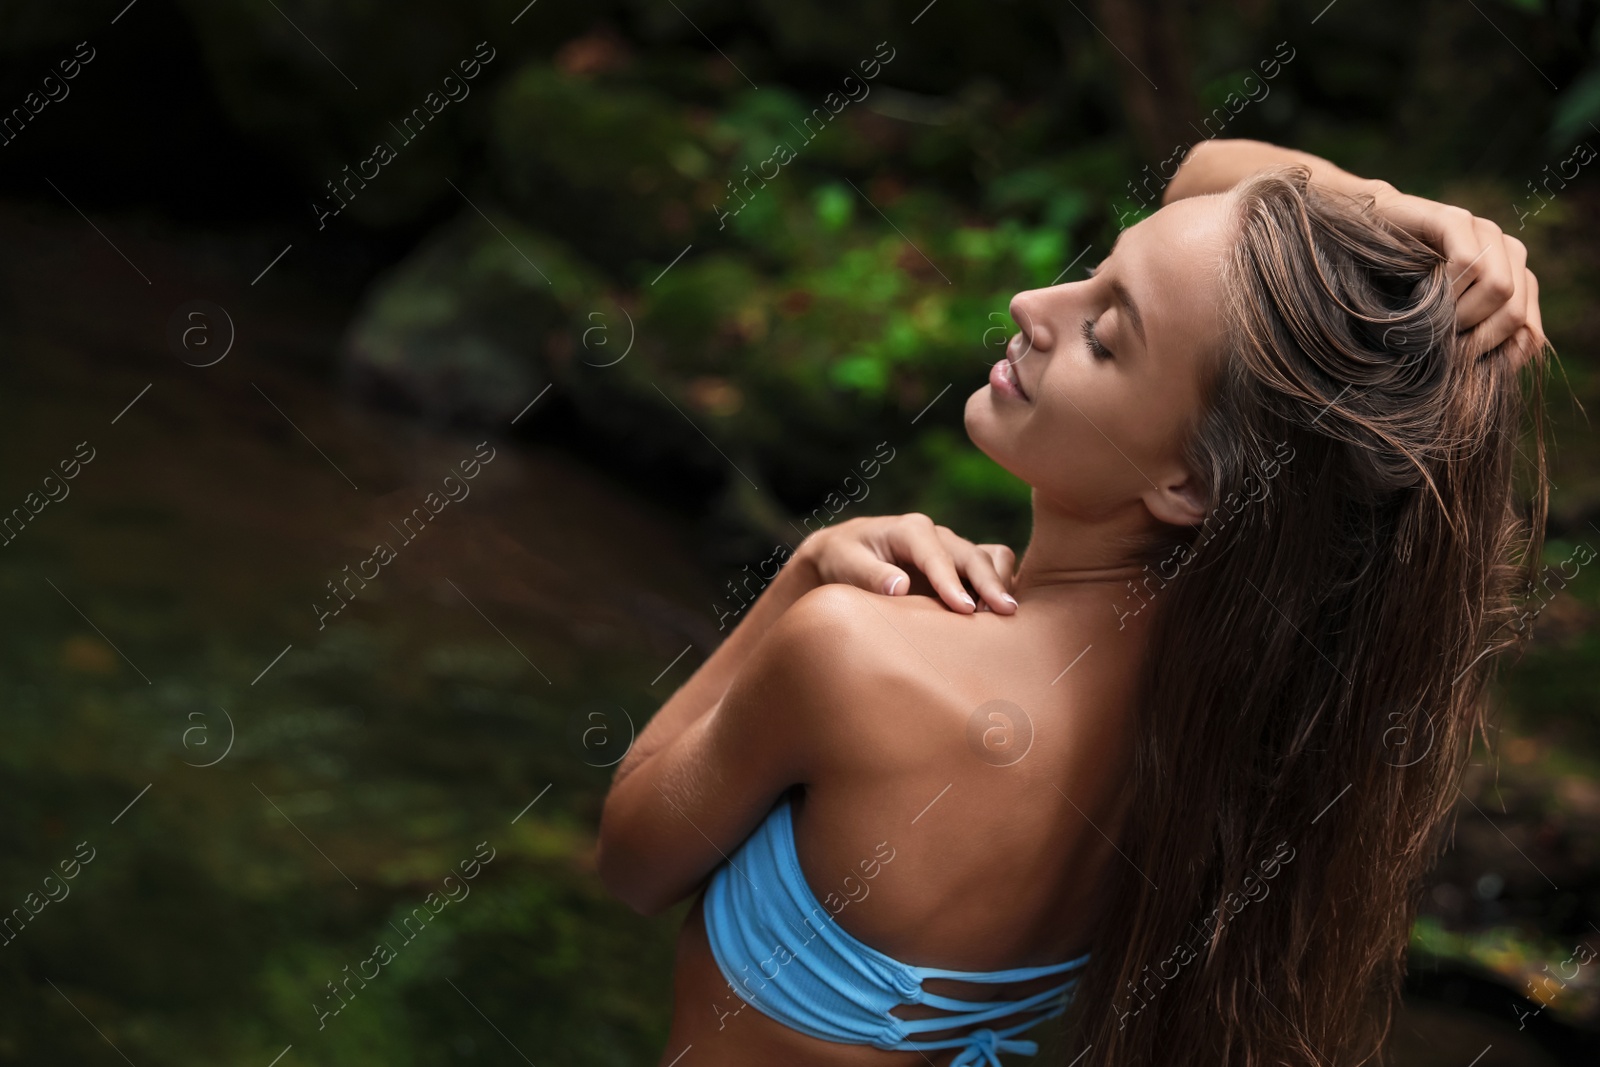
<point x="1216" y="166"/>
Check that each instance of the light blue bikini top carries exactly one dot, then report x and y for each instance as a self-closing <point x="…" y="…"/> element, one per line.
<point x="782" y="952"/>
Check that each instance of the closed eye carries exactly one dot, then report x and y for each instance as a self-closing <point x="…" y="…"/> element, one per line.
<point x="1098" y="350"/>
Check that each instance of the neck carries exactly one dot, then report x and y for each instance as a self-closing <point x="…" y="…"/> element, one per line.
<point x="1068" y="550"/>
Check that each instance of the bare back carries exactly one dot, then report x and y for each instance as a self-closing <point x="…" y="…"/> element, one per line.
<point x="966" y="814"/>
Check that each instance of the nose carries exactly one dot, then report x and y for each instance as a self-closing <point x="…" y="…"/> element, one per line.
<point x="1027" y="311"/>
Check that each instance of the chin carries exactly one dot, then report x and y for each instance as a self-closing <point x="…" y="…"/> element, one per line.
<point x="978" y="412"/>
<point x="980" y="419"/>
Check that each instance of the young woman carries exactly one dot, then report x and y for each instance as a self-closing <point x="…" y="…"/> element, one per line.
<point x="1185" y="768"/>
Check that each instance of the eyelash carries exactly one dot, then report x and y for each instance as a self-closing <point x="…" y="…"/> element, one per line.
<point x="1099" y="350"/>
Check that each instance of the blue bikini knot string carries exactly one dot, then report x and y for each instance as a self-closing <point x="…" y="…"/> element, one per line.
<point x="985" y="1046"/>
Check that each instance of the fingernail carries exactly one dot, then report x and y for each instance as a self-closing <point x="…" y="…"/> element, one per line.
<point x="1009" y="599"/>
<point x="894" y="583"/>
<point x="965" y="599"/>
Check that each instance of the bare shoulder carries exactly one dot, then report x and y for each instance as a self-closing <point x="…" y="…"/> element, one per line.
<point x="850" y="631"/>
<point x="854" y="661"/>
<point x="827" y="642"/>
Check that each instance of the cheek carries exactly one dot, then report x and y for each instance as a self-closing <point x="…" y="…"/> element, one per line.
<point x="1077" y="410"/>
<point x="1069" y="456"/>
<point x="1085" y="446"/>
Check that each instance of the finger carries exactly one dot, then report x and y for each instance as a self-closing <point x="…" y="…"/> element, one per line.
<point x="856" y="564"/>
<point x="916" y="539"/>
<point x="1489" y="278"/>
<point x="977" y="566"/>
<point x="1451" y="231"/>
<point x="1512" y="314"/>
<point x="1530" y="339"/>
<point x="1535" y="323"/>
<point x="1535" y="316"/>
<point x="986" y="580"/>
<point x="1005" y="563"/>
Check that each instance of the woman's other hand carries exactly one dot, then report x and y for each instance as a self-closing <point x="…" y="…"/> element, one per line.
<point x="1497" y="296"/>
<point x="871" y="552"/>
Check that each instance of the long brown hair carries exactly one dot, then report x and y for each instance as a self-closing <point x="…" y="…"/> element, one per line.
<point x="1318" y="666"/>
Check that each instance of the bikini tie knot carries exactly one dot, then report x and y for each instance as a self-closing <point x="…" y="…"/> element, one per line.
<point x="984" y="1047"/>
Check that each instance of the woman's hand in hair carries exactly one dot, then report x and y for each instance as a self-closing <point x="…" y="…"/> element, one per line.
<point x="1497" y="296"/>
<point x="873" y="553"/>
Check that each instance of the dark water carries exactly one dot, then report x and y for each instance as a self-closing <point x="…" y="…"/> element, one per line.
<point x="347" y="777"/>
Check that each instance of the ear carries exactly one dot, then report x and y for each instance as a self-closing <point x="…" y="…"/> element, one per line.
<point x="1177" y="500"/>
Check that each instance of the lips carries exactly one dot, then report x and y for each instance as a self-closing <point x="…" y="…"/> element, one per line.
<point x="1004" y="378"/>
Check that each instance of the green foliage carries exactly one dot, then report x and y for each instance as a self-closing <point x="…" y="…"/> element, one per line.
<point x="1577" y="111"/>
<point x="835" y="206"/>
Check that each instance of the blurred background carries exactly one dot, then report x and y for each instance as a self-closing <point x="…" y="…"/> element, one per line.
<point x="696" y="277"/>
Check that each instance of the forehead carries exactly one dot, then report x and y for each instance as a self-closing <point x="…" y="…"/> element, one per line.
<point x="1172" y="265"/>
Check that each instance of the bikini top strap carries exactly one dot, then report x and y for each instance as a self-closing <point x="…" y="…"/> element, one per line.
<point x="1019" y="974"/>
<point x="967" y="1013"/>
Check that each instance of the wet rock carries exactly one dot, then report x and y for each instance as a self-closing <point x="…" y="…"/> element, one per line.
<point x="459" y="329"/>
